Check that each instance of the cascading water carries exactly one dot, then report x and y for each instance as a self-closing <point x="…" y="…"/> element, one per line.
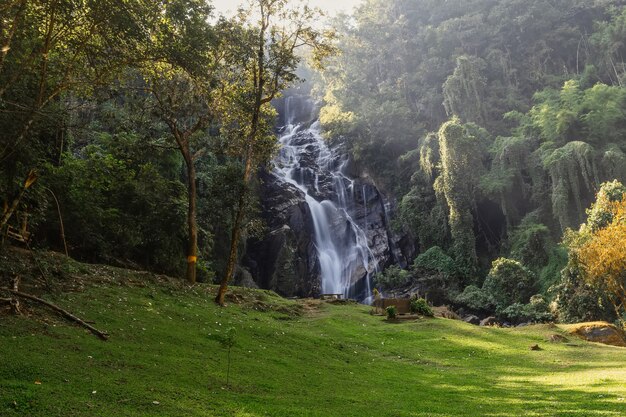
<point x="306" y="161"/>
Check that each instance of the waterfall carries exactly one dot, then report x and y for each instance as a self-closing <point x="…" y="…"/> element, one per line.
<point x="307" y="162"/>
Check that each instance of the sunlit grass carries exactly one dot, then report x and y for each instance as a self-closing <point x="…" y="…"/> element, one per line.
<point x="163" y="359"/>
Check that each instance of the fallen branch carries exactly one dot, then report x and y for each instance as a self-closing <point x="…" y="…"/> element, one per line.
<point x="65" y="313"/>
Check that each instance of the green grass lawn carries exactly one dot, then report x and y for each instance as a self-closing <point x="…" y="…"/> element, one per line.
<point x="163" y="358"/>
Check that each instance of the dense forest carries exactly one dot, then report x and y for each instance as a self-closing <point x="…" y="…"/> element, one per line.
<point x="494" y="124"/>
<point x="132" y="134"/>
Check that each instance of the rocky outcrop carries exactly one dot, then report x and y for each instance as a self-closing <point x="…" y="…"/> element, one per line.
<point x="327" y="231"/>
<point x="599" y="332"/>
<point x="285" y="260"/>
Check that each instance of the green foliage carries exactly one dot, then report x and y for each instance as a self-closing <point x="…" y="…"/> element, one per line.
<point x="420" y="306"/>
<point x="509" y="282"/>
<point x="531" y="244"/>
<point x="462" y="148"/>
<point x="521" y="73"/>
<point x="551" y="273"/>
<point x="475" y="299"/>
<point x="600" y="214"/>
<point x="229" y="339"/>
<point x="435" y="259"/>
<point x="576" y="301"/>
<point x="113" y="199"/>
<point x="537" y="311"/>
<point x="392" y="278"/>
<point x="392" y="312"/>
<point x="463" y="90"/>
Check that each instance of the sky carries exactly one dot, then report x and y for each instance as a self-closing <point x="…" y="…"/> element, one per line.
<point x="329" y="6"/>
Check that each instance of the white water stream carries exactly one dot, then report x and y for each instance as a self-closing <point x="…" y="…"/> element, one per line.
<point x="306" y="161"/>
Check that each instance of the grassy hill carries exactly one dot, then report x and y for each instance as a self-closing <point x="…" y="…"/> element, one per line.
<point x="291" y="359"/>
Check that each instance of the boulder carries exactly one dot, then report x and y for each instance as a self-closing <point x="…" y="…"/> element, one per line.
<point x="599" y="332"/>
<point x="489" y="321"/>
<point x="471" y="319"/>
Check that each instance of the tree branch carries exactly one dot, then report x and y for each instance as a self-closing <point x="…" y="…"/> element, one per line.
<point x="58" y="309"/>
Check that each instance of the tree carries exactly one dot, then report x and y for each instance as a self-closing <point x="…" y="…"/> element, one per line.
<point x="182" y="84"/>
<point x="268" y="59"/>
<point x="600" y="246"/>
<point x="50" y="47"/>
<point x="461" y="148"/>
<point x="183" y="103"/>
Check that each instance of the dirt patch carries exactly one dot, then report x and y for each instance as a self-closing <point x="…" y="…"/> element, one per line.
<point x="310" y="306"/>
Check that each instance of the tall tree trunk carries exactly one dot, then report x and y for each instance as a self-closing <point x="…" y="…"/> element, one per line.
<point x="192" y="251"/>
<point x="259" y="85"/>
<point x="235" y="235"/>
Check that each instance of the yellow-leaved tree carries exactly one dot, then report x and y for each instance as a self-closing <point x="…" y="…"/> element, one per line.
<point x="601" y="247"/>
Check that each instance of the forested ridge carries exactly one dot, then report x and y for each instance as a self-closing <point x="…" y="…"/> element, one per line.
<point x="494" y="123"/>
<point x="132" y="134"/>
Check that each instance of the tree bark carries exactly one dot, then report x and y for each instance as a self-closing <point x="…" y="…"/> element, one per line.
<point x="192" y="251"/>
<point x="235" y="236"/>
<point x="259" y="85"/>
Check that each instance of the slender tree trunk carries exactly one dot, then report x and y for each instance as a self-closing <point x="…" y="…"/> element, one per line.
<point x="192" y="251"/>
<point x="236" y="235"/>
<point x="259" y="85"/>
<point x="6" y="215"/>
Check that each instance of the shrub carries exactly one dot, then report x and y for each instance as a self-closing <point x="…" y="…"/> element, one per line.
<point x="392" y="312"/>
<point x="509" y="282"/>
<point x="536" y="311"/>
<point x="393" y="277"/>
<point x="435" y="259"/>
<point x="420" y="306"/>
<point x="577" y="301"/>
<point x="474" y="299"/>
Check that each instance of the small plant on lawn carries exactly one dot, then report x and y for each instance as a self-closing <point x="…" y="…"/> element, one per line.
<point x="228" y="341"/>
<point x="420" y="306"/>
<point x="392" y="312"/>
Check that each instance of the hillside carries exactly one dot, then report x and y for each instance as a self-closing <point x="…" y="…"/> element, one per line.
<point x="292" y="358"/>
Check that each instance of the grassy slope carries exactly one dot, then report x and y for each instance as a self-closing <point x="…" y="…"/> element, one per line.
<point x="334" y="361"/>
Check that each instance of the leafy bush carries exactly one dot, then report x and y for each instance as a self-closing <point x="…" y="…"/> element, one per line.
<point x="576" y="301"/>
<point x="435" y="259"/>
<point x="392" y="312"/>
<point x="393" y="277"/>
<point x="474" y="299"/>
<point x="537" y="311"/>
<point x="509" y="282"/>
<point x="420" y="306"/>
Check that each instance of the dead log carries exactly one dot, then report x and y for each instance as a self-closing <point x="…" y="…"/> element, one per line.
<point x="58" y="309"/>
